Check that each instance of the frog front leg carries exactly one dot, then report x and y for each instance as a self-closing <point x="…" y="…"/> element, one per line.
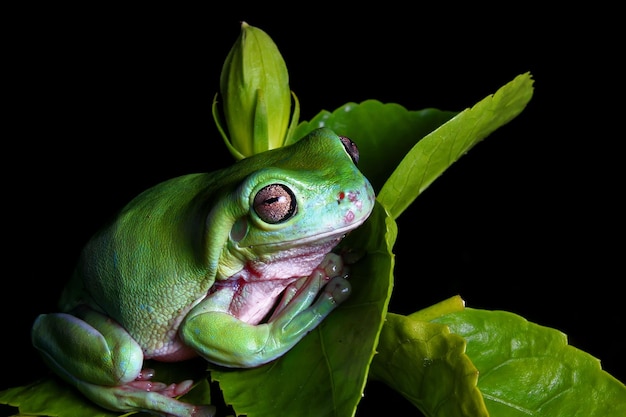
<point x="97" y="356"/>
<point x="223" y="339"/>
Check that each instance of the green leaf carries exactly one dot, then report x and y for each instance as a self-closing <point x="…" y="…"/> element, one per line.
<point x="432" y="155"/>
<point x="384" y="133"/>
<point x="427" y="365"/>
<point x="49" y="397"/>
<point x="530" y="370"/>
<point x="324" y="374"/>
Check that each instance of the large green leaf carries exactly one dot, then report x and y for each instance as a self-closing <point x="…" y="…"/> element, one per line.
<point x="530" y="370"/>
<point x="324" y="375"/>
<point x="432" y="155"/>
<point x="384" y="132"/>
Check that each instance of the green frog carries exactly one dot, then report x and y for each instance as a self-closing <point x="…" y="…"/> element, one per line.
<point x="235" y="266"/>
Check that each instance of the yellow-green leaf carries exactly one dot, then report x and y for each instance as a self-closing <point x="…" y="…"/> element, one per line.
<point x="427" y="364"/>
<point x="531" y="370"/>
<point x="433" y="154"/>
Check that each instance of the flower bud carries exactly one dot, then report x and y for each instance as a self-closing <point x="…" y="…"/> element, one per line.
<point x="254" y="88"/>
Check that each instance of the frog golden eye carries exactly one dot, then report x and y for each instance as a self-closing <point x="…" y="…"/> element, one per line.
<point x="351" y="148"/>
<point x="275" y="203"/>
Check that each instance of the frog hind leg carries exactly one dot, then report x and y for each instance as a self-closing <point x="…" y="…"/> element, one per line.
<point x="98" y="357"/>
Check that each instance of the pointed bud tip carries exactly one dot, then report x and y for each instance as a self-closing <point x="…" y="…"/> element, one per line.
<point x="254" y="86"/>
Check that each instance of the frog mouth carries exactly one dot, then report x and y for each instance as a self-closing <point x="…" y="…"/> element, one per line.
<point x="331" y="234"/>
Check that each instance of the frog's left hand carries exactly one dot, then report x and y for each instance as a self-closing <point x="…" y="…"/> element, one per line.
<point x="249" y="345"/>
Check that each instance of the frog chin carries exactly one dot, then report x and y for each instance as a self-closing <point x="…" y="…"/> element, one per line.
<point x="253" y="292"/>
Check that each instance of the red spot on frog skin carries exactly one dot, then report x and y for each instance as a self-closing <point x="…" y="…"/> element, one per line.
<point x="352" y="197"/>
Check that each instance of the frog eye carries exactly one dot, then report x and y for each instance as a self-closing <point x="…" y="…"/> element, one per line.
<point x="275" y="203"/>
<point x="351" y="148"/>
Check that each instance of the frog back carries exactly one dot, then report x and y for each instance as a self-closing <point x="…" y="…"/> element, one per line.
<point x="148" y="266"/>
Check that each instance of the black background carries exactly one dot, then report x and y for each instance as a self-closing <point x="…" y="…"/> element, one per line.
<point x="106" y="102"/>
